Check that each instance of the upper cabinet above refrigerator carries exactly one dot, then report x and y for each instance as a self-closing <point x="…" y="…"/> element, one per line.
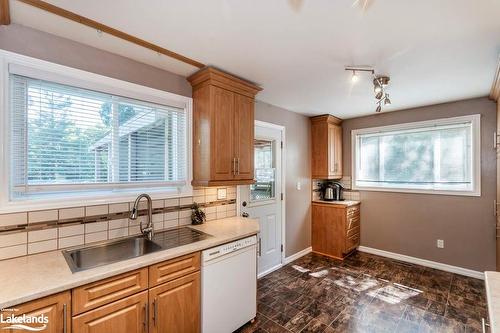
<point x="326" y="142"/>
<point x="223" y="128"/>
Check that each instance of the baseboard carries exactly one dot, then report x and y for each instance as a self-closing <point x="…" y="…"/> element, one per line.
<point x="270" y="270"/>
<point x="297" y="255"/>
<point x="423" y="262"/>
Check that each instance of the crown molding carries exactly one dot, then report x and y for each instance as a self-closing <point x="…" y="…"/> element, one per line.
<point x="495" y="87"/>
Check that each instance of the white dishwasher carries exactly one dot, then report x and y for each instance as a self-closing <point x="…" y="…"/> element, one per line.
<point x="229" y="286"/>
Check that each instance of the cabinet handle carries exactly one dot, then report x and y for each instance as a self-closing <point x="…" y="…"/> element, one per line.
<point x="260" y="247"/>
<point x="484" y="324"/>
<point x="155" y="311"/>
<point x="234" y="166"/>
<point x="238" y="166"/>
<point x="65" y="319"/>
<point x="146" y="316"/>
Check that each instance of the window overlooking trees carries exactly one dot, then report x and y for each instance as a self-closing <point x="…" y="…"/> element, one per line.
<point x="439" y="156"/>
<point x="65" y="138"/>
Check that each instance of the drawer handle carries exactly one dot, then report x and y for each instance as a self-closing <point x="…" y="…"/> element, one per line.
<point x="146" y="316"/>
<point x="65" y="319"/>
<point x="155" y="311"/>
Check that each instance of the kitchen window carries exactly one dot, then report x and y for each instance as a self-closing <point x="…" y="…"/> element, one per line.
<point x="439" y="157"/>
<point x="66" y="140"/>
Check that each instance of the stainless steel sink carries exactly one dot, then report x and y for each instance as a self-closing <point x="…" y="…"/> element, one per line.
<point x="93" y="256"/>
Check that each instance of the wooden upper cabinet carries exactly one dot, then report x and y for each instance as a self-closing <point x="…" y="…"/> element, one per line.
<point x="175" y="306"/>
<point x="326" y="134"/>
<point x="223" y="128"/>
<point x="57" y="309"/>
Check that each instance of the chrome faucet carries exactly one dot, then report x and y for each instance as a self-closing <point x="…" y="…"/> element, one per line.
<point x="148" y="230"/>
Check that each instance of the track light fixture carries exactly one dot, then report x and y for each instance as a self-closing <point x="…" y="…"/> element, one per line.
<point x="380" y="82"/>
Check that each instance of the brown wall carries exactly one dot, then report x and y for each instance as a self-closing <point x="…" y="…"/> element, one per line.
<point x="410" y="224"/>
<point x="41" y="45"/>
<point x="298" y="202"/>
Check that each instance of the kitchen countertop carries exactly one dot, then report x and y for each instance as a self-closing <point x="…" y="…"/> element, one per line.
<point x="31" y="277"/>
<point x="492" y="281"/>
<point x="343" y="203"/>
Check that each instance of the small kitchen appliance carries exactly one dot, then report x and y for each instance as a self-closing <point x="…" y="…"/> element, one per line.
<point x="332" y="191"/>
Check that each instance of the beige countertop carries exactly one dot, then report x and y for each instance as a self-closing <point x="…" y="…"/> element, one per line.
<point x="31" y="277"/>
<point x="492" y="282"/>
<point x="344" y="203"/>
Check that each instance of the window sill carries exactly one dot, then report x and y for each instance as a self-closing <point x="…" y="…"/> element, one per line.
<point x="476" y="193"/>
<point x="88" y="200"/>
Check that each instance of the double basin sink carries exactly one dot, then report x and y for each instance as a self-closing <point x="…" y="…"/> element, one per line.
<point x="84" y="258"/>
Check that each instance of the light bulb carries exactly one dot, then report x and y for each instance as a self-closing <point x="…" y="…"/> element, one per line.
<point x="354" y="77"/>
<point x="379" y="108"/>
<point x="387" y="101"/>
<point x="377" y="89"/>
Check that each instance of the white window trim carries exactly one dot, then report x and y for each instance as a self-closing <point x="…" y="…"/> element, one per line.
<point x="80" y="78"/>
<point x="476" y="154"/>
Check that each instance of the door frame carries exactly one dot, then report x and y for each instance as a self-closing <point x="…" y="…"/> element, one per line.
<point x="282" y="129"/>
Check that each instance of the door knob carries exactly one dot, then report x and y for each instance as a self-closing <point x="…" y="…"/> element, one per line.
<point x="245" y="214"/>
<point x="244" y="203"/>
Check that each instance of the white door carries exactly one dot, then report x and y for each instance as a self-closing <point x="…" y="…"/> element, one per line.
<point x="263" y="200"/>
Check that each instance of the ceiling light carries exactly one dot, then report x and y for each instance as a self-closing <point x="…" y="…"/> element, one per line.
<point x="379" y="108"/>
<point x="377" y="89"/>
<point x="379" y="95"/>
<point x="354" y="77"/>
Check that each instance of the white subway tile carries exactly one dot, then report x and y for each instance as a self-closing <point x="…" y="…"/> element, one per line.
<point x="211" y="209"/>
<point x="211" y="216"/>
<point x="71" y="213"/>
<point x="185" y="213"/>
<point x="211" y="191"/>
<point x="117" y="233"/>
<point x="210" y="197"/>
<point x="135" y="230"/>
<point x="186" y="201"/>
<point x="171" y="202"/>
<point x="231" y="213"/>
<point x="185" y="221"/>
<point x="71" y="230"/>
<point x="231" y="189"/>
<point x="13" y="219"/>
<point x="199" y="199"/>
<point x="171" y="223"/>
<point x="118" y="207"/>
<point x="96" y="210"/>
<point x="120" y="223"/>
<point x="13" y="239"/>
<point x="158" y="226"/>
<point x="158" y="204"/>
<point x="157" y="217"/>
<point x="221" y="215"/>
<point x="13" y="251"/>
<point x="96" y="226"/>
<point x="43" y="216"/>
<point x="71" y="241"/>
<point x="198" y="192"/>
<point x="171" y="216"/>
<point x="42" y="235"/>
<point x="96" y="237"/>
<point x="221" y="208"/>
<point x="43" y="246"/>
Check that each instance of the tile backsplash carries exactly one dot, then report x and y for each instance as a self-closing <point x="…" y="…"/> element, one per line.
<point x="39" y="231"/>
<point x="348" y="193"/>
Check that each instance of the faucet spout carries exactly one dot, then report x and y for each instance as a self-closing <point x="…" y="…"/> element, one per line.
<point x="148" y="230"/>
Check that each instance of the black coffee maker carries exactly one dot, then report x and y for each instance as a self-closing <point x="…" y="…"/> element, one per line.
<point x="332" y="191"/>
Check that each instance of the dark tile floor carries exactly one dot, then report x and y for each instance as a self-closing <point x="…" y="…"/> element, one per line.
<point x="366" y="293"/>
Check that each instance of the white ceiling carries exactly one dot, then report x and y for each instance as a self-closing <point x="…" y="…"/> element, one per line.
<point x="434" y="51"/>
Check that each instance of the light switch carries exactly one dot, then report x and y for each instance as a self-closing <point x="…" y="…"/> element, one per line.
<point x="299" y="185"/>
<point x="221" y="193"/>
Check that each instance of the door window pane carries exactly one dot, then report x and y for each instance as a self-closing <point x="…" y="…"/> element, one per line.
<point x="265" y="171"/>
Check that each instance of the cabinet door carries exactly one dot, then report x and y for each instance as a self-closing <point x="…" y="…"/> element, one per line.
<point x="127" y="315"/>
<point x="222" y="135"/>
<point x="334" y="151"/>
<point x="328" y="230"/>
<point x="57" y="309"/>
<point x="175" y="306"/>
<point x="244" y="136"/>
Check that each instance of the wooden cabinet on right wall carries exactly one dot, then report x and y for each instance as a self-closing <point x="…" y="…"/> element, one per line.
<point x="326" y="134"/>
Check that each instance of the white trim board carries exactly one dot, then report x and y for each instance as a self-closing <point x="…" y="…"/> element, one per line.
<point x="423" y="262"/>
<point x="297" y="255"/>
<point x="270" y="270"/>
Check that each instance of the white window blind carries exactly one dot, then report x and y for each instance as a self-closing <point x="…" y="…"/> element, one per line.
<point x="434" y="157"/>
<point x="65" y="138"/>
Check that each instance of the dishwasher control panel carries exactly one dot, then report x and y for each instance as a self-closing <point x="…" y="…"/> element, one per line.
<point x="221" y="250"/>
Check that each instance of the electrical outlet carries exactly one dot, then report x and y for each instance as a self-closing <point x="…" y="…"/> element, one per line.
<point x="221" y="194"/>
<point x="440" y="244"/>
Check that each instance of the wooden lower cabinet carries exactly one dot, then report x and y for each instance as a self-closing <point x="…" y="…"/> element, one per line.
<point x="335" y="229"/>
<point x="127" y="315"/>
<point x="57" y="308"/>
<point x="175" y="306"/>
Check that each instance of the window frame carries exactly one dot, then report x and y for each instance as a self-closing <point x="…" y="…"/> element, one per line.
<point x="475" y="120"/>
<point x="45" y="70"/>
